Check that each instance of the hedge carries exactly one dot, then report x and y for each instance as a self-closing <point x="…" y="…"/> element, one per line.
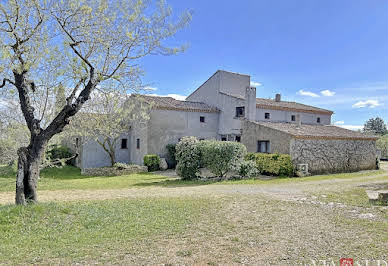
<point x="152" y="162"/>
<point x="272" y="164"/>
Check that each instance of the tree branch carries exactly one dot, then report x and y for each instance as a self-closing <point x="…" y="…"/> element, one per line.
<point x="4" y="82"/>
<point x="28" y="111"/>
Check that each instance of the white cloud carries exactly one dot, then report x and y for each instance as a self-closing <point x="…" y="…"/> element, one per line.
<point x="255" y="84"/>
<point x="327" y="93"/>
<point x="172" y="95"/>
<point x="352" y="127"/>
<point x="149" y="88"/>
<point x="367" y="103"/>
<point x="307" y="93"/>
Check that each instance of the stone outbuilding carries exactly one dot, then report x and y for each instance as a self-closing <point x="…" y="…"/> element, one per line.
<point x="324" y="148"/>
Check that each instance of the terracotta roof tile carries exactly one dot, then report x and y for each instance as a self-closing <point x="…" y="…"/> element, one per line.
<point x="292" y="106"/>
<point x="317" y="131"/>
<point x="169" y="103"/>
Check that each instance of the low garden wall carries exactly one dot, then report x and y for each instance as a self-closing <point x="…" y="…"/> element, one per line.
<point x="113" y="171"/>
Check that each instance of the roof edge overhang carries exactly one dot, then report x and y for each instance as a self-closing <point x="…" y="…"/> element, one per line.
<point x="332" y="137"/>
<point x="194" y="110"/>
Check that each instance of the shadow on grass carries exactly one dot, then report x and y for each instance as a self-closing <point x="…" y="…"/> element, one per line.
<point x="67" y="172"/>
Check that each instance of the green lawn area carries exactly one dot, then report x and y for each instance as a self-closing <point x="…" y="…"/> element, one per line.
<point x="69" y="178"/>
<point x="152" y="219"/>
<point x="89" y="229"/>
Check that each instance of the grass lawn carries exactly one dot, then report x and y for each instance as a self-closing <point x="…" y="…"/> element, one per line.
<point x="162" y="220"/>
<point x="77" y="231"/>
<point x="69" y="178"/>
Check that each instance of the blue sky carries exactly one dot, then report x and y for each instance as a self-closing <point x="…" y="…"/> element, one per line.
<point x="296" y="48"/>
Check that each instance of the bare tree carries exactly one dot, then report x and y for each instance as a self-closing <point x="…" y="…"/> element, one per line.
<point x="106" y="117"/>
<point x="80" y="44"/>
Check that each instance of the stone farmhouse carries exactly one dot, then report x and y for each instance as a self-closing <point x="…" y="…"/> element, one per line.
<point x="225" y="108"/>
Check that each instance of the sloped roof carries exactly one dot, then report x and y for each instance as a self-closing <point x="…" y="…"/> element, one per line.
<point x="316" y="131"/>
<point x="169" y="103"/>
<point x="289" y="106"/>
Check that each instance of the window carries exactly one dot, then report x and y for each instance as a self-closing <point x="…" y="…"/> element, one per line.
<point x="76" y="142"/>
<point x="201" y="139"/>
<point x="202" y="119"/>
<point x="124" y="143"/>
<point x="238" y="138"/>
<point x="223" y="138"/>
<point x="267" y="116"/>
<point x="318" y="120"/>
<point x="137" y="143"/>
<point x="263" y="146"/>
<point x="240" y="111"/>
<point x="293" y="118"/>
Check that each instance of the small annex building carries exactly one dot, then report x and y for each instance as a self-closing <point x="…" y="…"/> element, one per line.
<point x="324" y="148"/>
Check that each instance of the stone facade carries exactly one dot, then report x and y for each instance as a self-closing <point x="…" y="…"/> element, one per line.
<point x="336" y="150"/>
<point x="331" y="156"/>
<point x="113" y="171"/>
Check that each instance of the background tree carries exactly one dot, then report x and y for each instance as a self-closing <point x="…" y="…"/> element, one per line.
<point x="375" y="126"/>
<point x="382" y="145"/>
<point x="105" y="118"/>
<point x="80" y="44"/>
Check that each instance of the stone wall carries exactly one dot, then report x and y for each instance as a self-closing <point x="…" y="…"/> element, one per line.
<point x="112" y="171"/>
<point x="331" y="156"/>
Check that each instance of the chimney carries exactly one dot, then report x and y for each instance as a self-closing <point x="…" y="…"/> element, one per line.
<point x="298" y="120"/>
<point x="278" y="97"/>
<point x="250" y="103"/>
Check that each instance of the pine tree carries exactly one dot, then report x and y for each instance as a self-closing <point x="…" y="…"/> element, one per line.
<point x="375" y="126"/>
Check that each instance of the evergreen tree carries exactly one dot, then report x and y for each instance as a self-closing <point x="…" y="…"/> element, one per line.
<point x="375" y="126"/>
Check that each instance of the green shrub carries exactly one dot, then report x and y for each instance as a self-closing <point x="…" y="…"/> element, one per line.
<point x="221" y="156"/>
<point x="272" y="164"/>
<point x="171" y="158"/>
<point x="57" y="153"/>
<point x="248" y="169"/>
<point x="152" y="162"/>
<point x="188" y="157"/>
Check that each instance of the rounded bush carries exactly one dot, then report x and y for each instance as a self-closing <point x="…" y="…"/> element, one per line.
<point x="248" y="169"/>
<point x="220" y="157"/>
<point x="152" y="162"/>
<point x="188" y="157"/>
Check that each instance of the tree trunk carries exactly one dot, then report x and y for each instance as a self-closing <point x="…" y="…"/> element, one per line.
<point x="112" y="159"/>
<point x="28" y="173"/>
